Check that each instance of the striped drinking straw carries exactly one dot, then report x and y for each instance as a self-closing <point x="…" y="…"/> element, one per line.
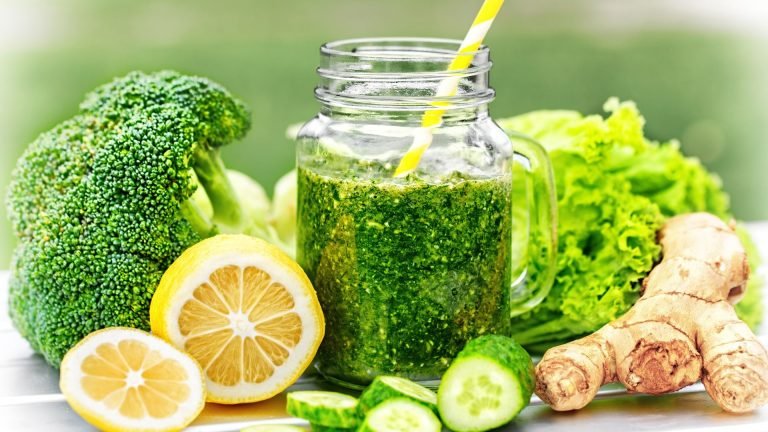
<point x="449" y="86"/>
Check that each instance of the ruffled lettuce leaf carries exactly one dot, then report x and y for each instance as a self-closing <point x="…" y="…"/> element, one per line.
<point x="615" y="188"/>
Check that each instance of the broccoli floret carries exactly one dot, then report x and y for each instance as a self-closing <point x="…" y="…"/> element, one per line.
<point x="101" y="204"/>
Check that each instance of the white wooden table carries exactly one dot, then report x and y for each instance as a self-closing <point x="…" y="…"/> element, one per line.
<point x="30" y="399"/>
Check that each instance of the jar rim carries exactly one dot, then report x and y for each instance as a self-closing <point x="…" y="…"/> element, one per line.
<point x="353" y="71"/>
<point x="336" y="48"/>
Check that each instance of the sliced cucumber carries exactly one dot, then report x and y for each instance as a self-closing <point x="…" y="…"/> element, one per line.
<point x="400" y="415"/>
<point x="273" y="428"/>
<point x="388" y="387"/>
<point x="486" y="386"/>
<point x="324" y="408"/>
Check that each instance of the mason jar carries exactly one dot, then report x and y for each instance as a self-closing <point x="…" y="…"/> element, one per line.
<point x="408" y="268"/>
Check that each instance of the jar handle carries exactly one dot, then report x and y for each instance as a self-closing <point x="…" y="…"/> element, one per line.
<point x="534" y="257"/>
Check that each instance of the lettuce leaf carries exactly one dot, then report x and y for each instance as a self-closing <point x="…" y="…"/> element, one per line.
<point x="615" y="188"/>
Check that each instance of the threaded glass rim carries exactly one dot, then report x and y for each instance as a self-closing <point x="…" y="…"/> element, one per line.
<point x="352" y="66"/>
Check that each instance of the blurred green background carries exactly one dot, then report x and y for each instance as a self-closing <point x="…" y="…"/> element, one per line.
<point x="697" y="69"/>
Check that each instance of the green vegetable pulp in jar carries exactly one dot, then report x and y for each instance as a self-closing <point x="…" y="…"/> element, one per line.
<point x="406" y="272"/>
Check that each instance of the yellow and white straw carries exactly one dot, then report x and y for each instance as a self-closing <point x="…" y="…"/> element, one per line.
<point x="449" y="86"/>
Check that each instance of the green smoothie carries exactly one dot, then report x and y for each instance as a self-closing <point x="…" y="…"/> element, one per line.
<point x="406" y="272"/>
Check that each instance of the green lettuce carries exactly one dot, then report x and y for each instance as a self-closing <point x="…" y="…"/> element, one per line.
<point x="615" y="188"/>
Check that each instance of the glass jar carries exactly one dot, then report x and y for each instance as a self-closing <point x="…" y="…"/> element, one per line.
<point x="408" y="269"/>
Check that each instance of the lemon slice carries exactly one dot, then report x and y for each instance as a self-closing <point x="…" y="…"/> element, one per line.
<point x="121" y="379"/>
<point x="245" y="311"/>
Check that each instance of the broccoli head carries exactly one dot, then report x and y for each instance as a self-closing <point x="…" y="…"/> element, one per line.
<point x="101" y="204"/>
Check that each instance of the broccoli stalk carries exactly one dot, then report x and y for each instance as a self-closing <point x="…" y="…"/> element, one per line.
<point x="201" y="222"/>
<point x="230" y="202"/>
<point x="212" y="176"/>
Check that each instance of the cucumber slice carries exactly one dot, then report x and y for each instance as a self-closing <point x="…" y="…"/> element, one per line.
<point x="389" y="387"/>
<point x="400" y="415"/>
<point x="324" y="408"/>
<point x="486" y="386"/>
<point x="273" y="428"/>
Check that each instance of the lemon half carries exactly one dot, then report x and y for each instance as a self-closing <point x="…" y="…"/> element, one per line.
<point x="245" y="311"/>
<point x="121" y="379"/>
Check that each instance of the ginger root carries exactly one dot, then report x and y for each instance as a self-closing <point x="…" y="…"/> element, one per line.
<point x="682" y="329"/>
